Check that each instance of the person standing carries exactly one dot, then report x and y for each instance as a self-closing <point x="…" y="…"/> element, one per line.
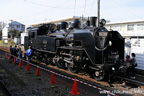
<point x="11" y="51"/>
<point x="128" y="58"/>
<point x="29" y="53"/>
<point x="19" y="53"/>
<point x="133" y="65"/>
<point x="15" y="51"/>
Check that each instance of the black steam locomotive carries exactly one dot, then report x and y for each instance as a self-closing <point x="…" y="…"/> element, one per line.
<point x="79" y="47"/>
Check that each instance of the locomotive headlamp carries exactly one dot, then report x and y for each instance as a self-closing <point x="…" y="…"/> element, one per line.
<point x="102" y="22"/>
<point x="113" y="68"/>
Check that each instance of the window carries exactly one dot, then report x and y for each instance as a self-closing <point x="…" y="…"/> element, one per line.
<point x="122" y="28"/>
<point x="11" y="26"/>
<point x="117" y="28"/>
<point x="130" y="27"/>
<point x="32" y="34"/>
<point x="140" y="26"/>
<point x="18" y="26"/>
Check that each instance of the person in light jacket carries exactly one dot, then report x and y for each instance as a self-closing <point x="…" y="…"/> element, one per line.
<point x="29" y="53"/>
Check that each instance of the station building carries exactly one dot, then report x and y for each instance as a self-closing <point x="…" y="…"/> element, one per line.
<point x="68" y="19"/>
<point x="133" y="32"/>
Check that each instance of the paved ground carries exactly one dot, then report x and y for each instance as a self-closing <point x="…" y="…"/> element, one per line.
<point x="23" y="83"/>
<point x="27" y="84"/>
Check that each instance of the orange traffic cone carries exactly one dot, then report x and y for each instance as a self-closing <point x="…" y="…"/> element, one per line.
<point x="20" y="63"/>
<point x="52" y="78"/>
<point x="27" y="68"/>
<point x="74" y="90"/>
<point x="14" y="60"/>
<point x="9" y="57"/>
<point x="5" y="55"/>
<point x="37" y="71"/>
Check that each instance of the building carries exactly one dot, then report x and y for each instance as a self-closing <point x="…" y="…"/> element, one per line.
<point x="23" y="36"/>
<point x="133" y="32"/>
<point x="129" y="28"/>
<point x="17" y="26"/>
<point x="5" y="35"/>
<point x="14" y="25"/>
<point x="69" y="19"/>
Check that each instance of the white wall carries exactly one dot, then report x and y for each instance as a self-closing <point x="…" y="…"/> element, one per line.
<point x="22" y="37"/>
<point x="5" y="35"/>
<point x="137" y="47"/>
<point x="123" y="29"/>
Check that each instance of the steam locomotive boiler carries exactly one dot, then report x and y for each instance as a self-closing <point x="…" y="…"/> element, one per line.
<point x="90" y="49"/>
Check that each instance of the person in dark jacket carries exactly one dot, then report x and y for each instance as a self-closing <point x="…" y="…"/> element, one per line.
<point x="11" y="50"/>
<point x="24" y="56"/>
<point x="15" y="51"/>
<point x="133" y="63"/>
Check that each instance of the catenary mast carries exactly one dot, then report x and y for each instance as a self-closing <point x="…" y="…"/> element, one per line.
<point x="98" y="12"/>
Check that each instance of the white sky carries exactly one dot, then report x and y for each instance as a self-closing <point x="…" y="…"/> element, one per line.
<point x="35" y="11"/>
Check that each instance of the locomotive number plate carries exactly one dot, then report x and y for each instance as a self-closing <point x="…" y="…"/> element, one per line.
<point x="44" y="42"/>
<point x="103" y="34"/>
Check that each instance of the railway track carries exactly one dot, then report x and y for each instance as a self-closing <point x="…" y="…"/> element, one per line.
<point x="80" y="76"/>
<point x="95" y="88"/>
<point x="134" y="82"/>
<point x="84" y="77"/>
<point x="4" y="90"/>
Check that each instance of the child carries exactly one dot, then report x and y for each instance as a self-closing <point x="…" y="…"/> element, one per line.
<point x="24" y="56"/>
<point x="128" y="58"/>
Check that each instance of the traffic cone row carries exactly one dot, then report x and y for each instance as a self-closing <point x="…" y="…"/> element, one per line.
<point x="9" y="57"/>
<point x="37" y="71"/>
<point x="27" y="68"/>
<point x="20" y="63"/>
<point x="14" y="60"/>
<point x="74" y="89"/>
<point x="5" y="55"/>
<point x="52" y="78"/>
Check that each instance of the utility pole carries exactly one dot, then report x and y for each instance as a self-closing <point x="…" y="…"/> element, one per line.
<point x="98" y="12"/>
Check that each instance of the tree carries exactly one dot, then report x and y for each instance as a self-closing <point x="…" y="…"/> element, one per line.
<point x="15" y="33"/>
<point x="2" y="25"/>
<point x="18" y="34"/>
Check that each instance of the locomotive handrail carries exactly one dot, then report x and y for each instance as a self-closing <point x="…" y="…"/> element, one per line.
<point x="101" y="49"/>
<point x="44" y="51"/>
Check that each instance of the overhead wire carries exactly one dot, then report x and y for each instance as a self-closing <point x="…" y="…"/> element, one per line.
<point x="84" y="7"/>
<point x="51" y="7"/>
<point x="74" y="7"/>
<point x="43" y="5"/>
<point x="28" y="16"/>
